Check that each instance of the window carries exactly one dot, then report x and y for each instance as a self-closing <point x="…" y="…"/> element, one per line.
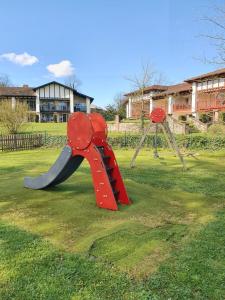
<point x="80" y="107"/>
<point x="31" y="105"/>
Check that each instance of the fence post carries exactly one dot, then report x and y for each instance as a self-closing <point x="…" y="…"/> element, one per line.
<point x="2" y="142"/>
<point x="45" y="137"/>
<point x="15" y="141"/>
<point x="20" y="141"/>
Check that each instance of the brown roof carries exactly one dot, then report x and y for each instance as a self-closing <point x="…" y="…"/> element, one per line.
<point x="17" y="91"/>
<point x="207" y="75"/>
<point x="154" y="87"/>
<point x="176" y="88"/>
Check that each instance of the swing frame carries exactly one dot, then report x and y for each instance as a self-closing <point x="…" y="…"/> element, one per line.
<point x="158" y="117"/>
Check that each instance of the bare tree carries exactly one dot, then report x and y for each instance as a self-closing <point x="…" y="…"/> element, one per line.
<point x="218" y="36"/>
<point x="5" y="80"/>
<point x="161" y="79"/>
<point x="13" y="118"/>
<point x="73" y="82"/>
<point x="147" y="76"/>
<point x="119" y="105"/>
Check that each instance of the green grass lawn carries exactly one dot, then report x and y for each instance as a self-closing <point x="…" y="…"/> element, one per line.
<point x="50" y="128"/>
<point x="169" y="244"/>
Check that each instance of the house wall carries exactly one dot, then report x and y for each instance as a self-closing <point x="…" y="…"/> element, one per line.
<point x="54" y="91"/>
<point x="182" y="105"/>
<point x="211" y="84"/>
<point x="52" y="101"/>
<point x="211" y="100"/>
<point x="64" y="97"/>
<point x="137" y="107"/>
<point x="206" y="95"/>
<point x="210" y="95"/>
<point x="80" y="104"/>
<point x="184" y="100"/>
<point x="78" y="99"/>
<point x="161" y="103"/>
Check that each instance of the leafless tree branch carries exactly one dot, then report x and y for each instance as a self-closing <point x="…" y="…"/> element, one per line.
<point x="218" y="23"/>
<point x="5" y="80"/>
<point x="73" y="82"/>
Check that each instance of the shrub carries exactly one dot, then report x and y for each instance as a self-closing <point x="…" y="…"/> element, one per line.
<point x="217" y="129"/>
<point x="191" y="141"/>
<point x="205" y="118"/>
<point x="192" y="127"/>
<point x="13" y="118"/>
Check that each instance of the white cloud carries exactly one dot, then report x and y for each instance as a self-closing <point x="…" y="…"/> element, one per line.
<point x="23" y="59"/>
<point x="62" y="69"/>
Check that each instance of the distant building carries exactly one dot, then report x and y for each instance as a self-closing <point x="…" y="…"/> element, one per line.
<point x="49" y="102"/>
<point x="204" y="94"/>
<point x="96" y="108"/>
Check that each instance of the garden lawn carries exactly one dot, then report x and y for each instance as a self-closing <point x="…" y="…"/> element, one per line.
<point x="51" y="129"/>
<point x="169" y="243"/>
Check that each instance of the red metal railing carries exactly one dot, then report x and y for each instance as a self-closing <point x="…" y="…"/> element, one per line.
<point x="181" y="107"/>
<point x="205" y="105"/>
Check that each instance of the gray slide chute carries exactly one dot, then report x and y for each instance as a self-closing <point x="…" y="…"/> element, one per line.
<point x="63" y="168"/>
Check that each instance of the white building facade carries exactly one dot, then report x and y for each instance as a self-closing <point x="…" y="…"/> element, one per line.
<point x="203" y="94"/>
<point x="50" y="102"/>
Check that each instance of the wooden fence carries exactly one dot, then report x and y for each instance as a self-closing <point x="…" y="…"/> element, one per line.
<point x="15" y="142"/>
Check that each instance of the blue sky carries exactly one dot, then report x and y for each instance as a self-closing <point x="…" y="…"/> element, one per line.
<point x="103" y="41"/>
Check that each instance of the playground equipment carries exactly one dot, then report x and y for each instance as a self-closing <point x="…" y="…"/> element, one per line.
<point x="87" y="134"/>
<point x="158" y="117"/>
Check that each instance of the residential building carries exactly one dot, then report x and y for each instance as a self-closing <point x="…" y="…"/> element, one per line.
<point x="49" y="102"/>
<point x="134" y="103"/>
<point x="203" y="94"/>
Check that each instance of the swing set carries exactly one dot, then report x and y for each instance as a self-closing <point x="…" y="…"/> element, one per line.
<point x="158" y="119"/>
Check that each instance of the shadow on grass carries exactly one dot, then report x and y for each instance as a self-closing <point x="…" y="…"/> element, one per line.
<point x="31" y="268"/>
<point x="197" y="270"/>
<point x="205" y="177"/>
<point x="9" y="170"/>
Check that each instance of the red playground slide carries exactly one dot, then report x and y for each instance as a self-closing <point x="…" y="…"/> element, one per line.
<point x="87" y="138"/>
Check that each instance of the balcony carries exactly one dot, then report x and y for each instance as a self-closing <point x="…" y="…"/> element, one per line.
<point x="181" y="107"/>
<point x="213" y="104"/>
<point x="54" y="108"/>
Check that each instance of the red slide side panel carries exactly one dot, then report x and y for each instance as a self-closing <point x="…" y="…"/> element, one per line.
<point x="87" y="137"/>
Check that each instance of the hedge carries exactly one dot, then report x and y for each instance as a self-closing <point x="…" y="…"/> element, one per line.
<point x="51" y="141"/>
<point x="191" y="141"/>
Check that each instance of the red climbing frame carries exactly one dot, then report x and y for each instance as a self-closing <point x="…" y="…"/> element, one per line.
<point x="87" y="136"/>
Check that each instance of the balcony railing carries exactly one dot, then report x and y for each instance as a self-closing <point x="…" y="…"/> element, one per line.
<point x="206" y="105"/>
<point x="54" y="109"/>
<point x="181" y="107"/>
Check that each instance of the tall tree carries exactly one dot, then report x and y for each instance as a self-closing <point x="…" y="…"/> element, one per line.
<point x="139" y="82"/>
